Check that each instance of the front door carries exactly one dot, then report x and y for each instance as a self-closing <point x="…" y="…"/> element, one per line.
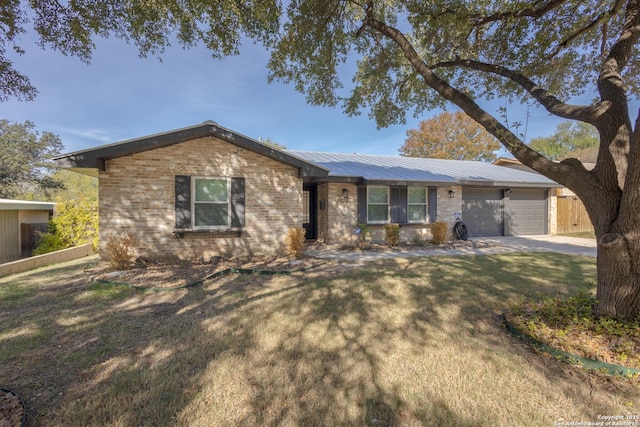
<point x="309" y="211"/>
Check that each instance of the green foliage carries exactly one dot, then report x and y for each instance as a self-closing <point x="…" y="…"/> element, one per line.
<point x="75" y="223"/>
<point x="121" y="249"/>
<point x="568" y="140"/>
<point x="49" y="242"/>
<point x="439" y="233"/>
<point x="571" y="324"/>
<point x="392" y="234"/>
<point x="26" y="160"/>
<point x="71" y="27"/>
<point x="450" y="136"/>
<point x="364" y="231"/>
<point x="271" y="143"/>
<point x="294" y="240"/>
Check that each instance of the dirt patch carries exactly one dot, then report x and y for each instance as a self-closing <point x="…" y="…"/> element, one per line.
<point x="155" y="274"/>
<point x="11" y="409"/>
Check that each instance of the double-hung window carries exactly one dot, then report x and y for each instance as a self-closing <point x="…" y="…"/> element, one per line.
<point x="416" y="204"/>
<point x="211" y="202"/>
<point x="377" y="204"/>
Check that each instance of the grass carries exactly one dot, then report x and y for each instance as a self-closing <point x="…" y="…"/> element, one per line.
<point x="399" y="342"/>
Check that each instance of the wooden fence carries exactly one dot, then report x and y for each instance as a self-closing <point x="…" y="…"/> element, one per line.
<point x="30" y="235"/>
<point x="572" y="216"/>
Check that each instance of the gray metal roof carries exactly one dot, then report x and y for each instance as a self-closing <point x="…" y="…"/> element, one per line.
<point x="376" y="168"/>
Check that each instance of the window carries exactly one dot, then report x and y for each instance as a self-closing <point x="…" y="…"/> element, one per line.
<point x="402" y="205"/>
<point x="377" y="204"/>
<point x="416" y="204"/>
<point x="210" y="202"/>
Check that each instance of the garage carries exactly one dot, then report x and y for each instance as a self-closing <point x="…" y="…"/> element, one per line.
<point x="482" y="211"/>
<point x="526" y="212"/>
<point x="498" y="212"/>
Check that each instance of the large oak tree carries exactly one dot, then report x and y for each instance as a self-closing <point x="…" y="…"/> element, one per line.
<point x="413" y="55"/>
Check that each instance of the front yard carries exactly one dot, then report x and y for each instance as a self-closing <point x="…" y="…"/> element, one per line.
<point x="400" y="342"/>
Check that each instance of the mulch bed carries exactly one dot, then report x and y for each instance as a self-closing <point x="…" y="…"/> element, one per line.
<point x="408" y="246"/>
<point x="156" y="274"/>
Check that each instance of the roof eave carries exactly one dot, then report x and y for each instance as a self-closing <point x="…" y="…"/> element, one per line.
<point x="95" y="159"/>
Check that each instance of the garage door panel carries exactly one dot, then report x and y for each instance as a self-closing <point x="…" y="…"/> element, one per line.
<point x="526" y="212"/>
<point x="482" y="212"/>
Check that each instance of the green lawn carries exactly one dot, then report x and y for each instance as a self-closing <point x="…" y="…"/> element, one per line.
<point x="401" y="342"/>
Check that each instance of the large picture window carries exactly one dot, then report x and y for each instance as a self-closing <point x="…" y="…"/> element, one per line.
<point x="417" y="204"/>
<point x="378" y="204"/>
<point x="210" y="202"/>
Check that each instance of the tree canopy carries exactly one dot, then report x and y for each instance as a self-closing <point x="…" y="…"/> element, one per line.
<point x="26" y="163"/>
<point x="570" y="139"/>
<point x="410" y="56"/>
<point x="450" y="136"/>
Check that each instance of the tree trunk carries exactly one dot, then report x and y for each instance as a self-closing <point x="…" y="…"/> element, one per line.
<point x="618" y="293"/>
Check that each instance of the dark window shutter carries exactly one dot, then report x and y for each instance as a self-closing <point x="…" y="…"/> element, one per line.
<point x="398" y="199"/>
<point x="237" y="202"/>
<point x="362" y="205"/>
<point x="183" y="201"/>
<point x="433" y="204"/>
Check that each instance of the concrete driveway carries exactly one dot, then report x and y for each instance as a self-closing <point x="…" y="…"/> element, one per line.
<point x="492" y="245"/>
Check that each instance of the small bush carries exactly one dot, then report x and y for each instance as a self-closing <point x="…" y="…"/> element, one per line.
<point x="439" y="233"/>
<point x="121" y="250"/>
<point x="295" y="241"/>
<point x="417" y="240"/>
<point x="364" y="231"/>
<point x="392" y="234"/>
<point x="49" y="242"/>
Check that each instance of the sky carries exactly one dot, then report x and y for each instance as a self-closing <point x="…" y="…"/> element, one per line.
<point x="121" y="96"/>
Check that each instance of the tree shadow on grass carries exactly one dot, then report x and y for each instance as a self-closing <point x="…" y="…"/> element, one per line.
<point x="259" y="350"/>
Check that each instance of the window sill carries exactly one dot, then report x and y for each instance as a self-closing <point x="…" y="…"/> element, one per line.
<point x="229" y="232"/>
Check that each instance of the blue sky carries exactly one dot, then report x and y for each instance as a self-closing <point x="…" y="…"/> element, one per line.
<point x="121" y="96"/>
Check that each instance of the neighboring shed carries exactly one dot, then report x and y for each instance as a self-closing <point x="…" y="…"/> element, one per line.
<point x="20" y="223"/>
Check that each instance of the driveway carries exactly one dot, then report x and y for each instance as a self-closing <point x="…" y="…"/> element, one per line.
<point x="494" y="245"/>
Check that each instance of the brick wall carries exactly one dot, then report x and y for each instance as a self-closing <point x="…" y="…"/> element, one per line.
<point x="337" y="222"/>
<point x="137" y="194"/>
<point x="342" y="212"/>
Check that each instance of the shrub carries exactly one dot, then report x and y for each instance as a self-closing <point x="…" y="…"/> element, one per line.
<point x="49" y="242"/>
<point x="392" y="234"/>
<point x="75" y="223"/>
<point x="121" y="250"/>
<point x="364" y="231"/>
<point x="295" y="241"/>
<point x="439" y="233"/>
<point x="417" y="240"/>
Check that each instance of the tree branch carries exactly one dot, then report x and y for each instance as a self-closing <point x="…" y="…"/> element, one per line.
<point x="584" y="113"/>
<point x="602" y="17"/>
<point x="566" y="173"/>
<point x="529" y="12"/>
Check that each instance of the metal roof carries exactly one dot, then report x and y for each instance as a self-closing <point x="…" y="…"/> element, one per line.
<point x="25" y="205"/>
<point x="377" y="168"/>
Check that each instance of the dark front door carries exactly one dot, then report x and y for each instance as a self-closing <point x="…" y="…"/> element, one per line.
<point x="309" y="211"/>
